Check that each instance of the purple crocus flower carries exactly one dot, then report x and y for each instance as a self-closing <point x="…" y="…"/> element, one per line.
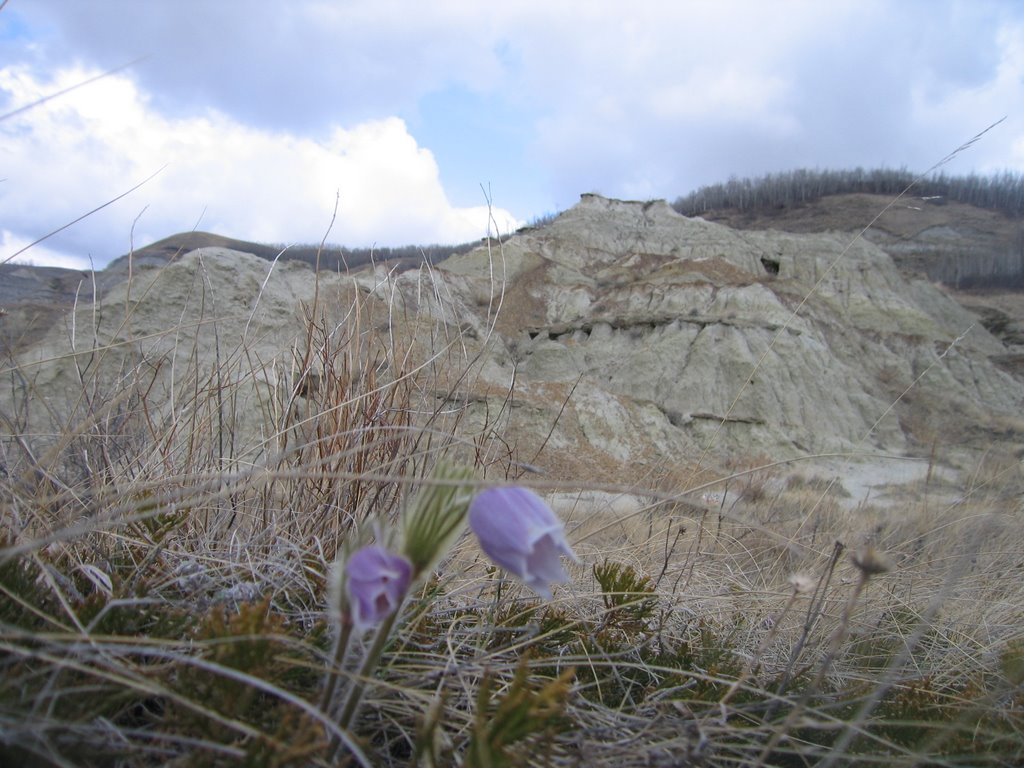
<point x="376" y="583"/>
<point x="520" y="533"/>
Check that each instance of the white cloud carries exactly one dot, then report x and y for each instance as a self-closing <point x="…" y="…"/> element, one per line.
<point x="76" y="152"/>
<point x="943" y="105"/>
<point x="729" y="94"/>
<point x="661" y="98"/>
<point x="264" y="111"/>
<point x="297" y="65"/>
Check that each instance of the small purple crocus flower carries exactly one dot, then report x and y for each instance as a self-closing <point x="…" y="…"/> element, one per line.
<point x="376" y="583"/>
<point x="520" y="533"/>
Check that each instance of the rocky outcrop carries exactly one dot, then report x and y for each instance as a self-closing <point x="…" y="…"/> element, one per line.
<point x="704" y="337"/>
<point x="619" y="339"/>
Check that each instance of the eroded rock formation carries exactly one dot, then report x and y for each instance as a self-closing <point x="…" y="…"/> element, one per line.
<point x="619" y="338"/>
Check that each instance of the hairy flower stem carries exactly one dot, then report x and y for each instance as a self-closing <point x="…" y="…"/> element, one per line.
<point x="755" y="662"/>
<point x="814" y="612"/>
<point x="337" y="659"/>
<point x="826" y="663"/>
<point x="369" y="664"/>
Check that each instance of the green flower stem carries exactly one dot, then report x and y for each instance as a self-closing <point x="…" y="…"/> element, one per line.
<point x="337" y="659"/>
<point x="369" y="664"/>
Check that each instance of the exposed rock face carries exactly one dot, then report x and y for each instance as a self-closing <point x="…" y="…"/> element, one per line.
<point x="699" y="336"/>
<point x="619" y="338"/>
<point x="31" y="298"/>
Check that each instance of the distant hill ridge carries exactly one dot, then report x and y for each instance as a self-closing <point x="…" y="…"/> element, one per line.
<point x="1003" y="192"/>
<point x="958" y="244"/>
<point x="333" y="258"/>
<point x="969" y="235"/>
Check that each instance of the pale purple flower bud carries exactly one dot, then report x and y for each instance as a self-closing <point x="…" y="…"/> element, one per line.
<point x="520" y="533"/>
<point x="376" y="583"/>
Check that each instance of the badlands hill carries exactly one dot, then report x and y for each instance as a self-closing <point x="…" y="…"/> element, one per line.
<point x="976" y="254"/>
<point x="618" y="343"/>
<point x="959" y="245"/>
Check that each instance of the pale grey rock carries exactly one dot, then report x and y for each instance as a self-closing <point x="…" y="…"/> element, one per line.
<point x="617" y="340"/>
<point x="744" y="341"/>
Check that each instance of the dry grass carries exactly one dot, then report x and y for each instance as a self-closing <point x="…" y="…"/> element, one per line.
<point x="166" y="541"/>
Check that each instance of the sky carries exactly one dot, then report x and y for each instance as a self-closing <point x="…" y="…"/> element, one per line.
<point x="396" y="122"/>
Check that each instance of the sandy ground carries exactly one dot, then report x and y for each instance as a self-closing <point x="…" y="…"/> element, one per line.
<point x="886" y="480"/>
<point x="881" y="481"/>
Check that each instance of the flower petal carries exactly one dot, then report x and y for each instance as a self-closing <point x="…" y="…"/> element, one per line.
<point x="545" y="561"/>
<point x="376" y="583"/>
<point x="521" y="534"/>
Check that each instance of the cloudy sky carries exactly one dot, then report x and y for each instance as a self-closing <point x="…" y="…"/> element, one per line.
<point x="258" y="116"/>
